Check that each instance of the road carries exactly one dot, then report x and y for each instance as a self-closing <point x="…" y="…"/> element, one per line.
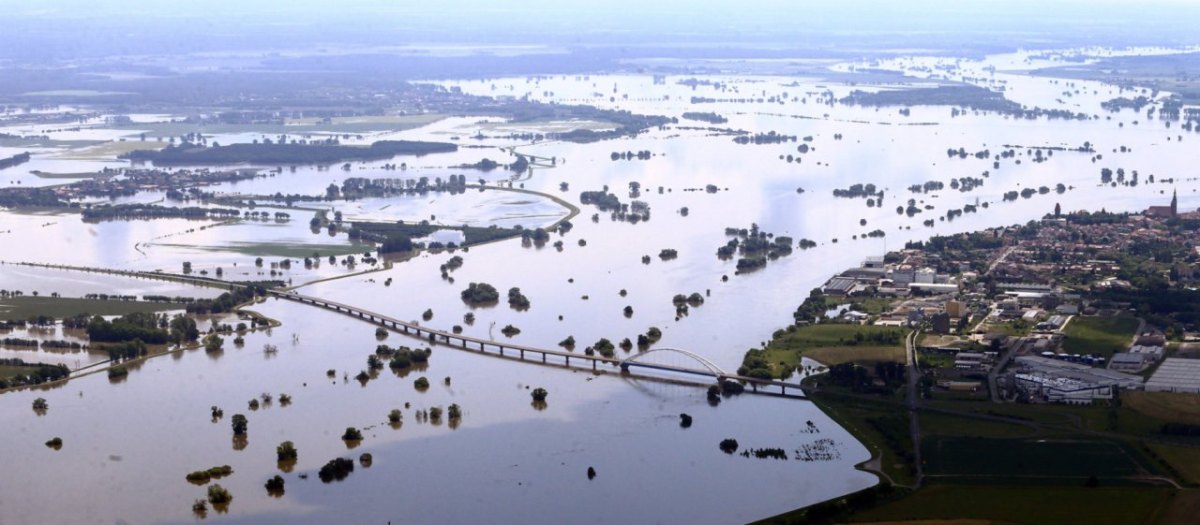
<point x="1000" y="259"/>
<point x="912" y="401"/>
<point x="993" y="390"/>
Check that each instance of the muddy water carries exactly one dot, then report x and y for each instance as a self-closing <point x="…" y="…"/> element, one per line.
<point x="507" y="461"/>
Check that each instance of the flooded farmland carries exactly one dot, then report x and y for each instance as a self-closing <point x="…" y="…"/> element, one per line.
<point x="507" y="458"/>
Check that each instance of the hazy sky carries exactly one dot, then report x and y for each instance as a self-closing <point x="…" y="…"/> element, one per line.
<point x="63" y="27"/>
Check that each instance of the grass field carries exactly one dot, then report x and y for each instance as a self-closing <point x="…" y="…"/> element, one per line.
<point x="25" y="306"/>
<point x="1035" y="505"/>
<point x="1092" y="417"/>
<point x="871" y="305"/>
<point x="278" y="249"/>
<point x="947" y="425"/>
<point x="1167" y="406"/>
<point x="1099" y="335"/>
<point x="1068" y="461"/>
<point x="109" y="150"/>
<point x="11" y="371"/>
<point x="348" y="125"/>
<point x="835" y="355"/>
<point x="1186" y="460"/>
<point x="834" y="344"/>
<point x="856" y="416"/>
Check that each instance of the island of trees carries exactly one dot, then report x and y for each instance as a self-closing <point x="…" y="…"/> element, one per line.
<point x="268" y="152"/>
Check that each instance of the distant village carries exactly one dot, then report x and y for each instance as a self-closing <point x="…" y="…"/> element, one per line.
<point x="1063" y="310"/>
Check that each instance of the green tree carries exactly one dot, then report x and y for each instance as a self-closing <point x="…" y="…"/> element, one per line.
<point x="286" y="451"/>
<point x="239" y="424"/>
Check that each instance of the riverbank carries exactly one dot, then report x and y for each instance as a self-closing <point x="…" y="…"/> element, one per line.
<point x="981" y="447"/>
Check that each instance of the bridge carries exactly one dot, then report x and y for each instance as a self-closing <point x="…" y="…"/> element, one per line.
<point x="500" y="349"/>
<point x="533" y="160"/>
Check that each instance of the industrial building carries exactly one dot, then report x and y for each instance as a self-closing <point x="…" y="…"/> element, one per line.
<point x="1176" y="375"/>
<point x="1058" y="381"/>
<point x="1054" y="389"/>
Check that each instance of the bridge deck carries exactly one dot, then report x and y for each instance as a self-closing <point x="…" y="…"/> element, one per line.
<point x="436" y="336"/>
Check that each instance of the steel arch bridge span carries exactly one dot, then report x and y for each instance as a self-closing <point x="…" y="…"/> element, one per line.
<point x="709" y="368"/>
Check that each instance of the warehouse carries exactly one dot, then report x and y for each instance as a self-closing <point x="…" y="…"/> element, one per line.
<point x="1176" y="375"/>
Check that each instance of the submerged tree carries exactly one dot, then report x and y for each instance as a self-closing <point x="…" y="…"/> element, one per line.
<point x="239" y="424"/>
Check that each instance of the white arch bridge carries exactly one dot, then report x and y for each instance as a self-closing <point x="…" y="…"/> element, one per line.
<point x="705" y="368"/>
<point x="696" y="365"/>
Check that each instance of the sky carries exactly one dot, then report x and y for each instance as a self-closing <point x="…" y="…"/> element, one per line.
<point x="61" y="28"/>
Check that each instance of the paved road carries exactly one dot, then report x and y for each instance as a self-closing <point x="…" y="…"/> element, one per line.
<point x="1000" y="259"/>
<point x="913" y="401"/>
<point x="993" y="391"/>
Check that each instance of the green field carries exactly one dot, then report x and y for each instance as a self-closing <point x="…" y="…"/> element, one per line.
<point x="1065" y="460"/>
<point x="1034" y="505"/>
<point x="1186" y="460"/>
<point x="1166" y="406"/>
<point x="880" y="427"/>
<point x="832" y="344"/>
<point x="341" y="125"/>
<point x="25" y="306"/>
<point x="1099" y="335"/>
<point x="278" y="249"/>
<point x="933" y="423"/>
<point x="11" y="371"/>
<point x="1063" y="418"/>
<point x="836" y="355"/>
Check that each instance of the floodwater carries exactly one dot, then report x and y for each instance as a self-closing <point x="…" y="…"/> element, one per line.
<point x="507" y="461"/>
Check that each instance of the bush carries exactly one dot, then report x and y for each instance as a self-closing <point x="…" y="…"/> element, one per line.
<point x="275" y="485"/>
<point x="239" y="424"/>
<point x="480" y="293"/>
<point x="217" y="495"/>
<point x="117" y="371"/>
<point x="729" y="446"/>
<point x="517" y="300"/>
<point x="352" y="434"/>
<point x="56" y="443"/>
<point x="539" y="394"/>
<point x="421" y="383"/>
<point x="336" y="470"/>
<point x="286" y="451"/>
<point x="395" y="415"/>
<point x="203" y="476"/>
<point x="454" y="412"/>
<point x="604" y="347"/>
<point x="510" y="330"/>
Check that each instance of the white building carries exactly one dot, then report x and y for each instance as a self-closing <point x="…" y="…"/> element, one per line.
<point x="925" y="276"/>
<point x="1176" y="375"/>
<point x="1054" y="389"/>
